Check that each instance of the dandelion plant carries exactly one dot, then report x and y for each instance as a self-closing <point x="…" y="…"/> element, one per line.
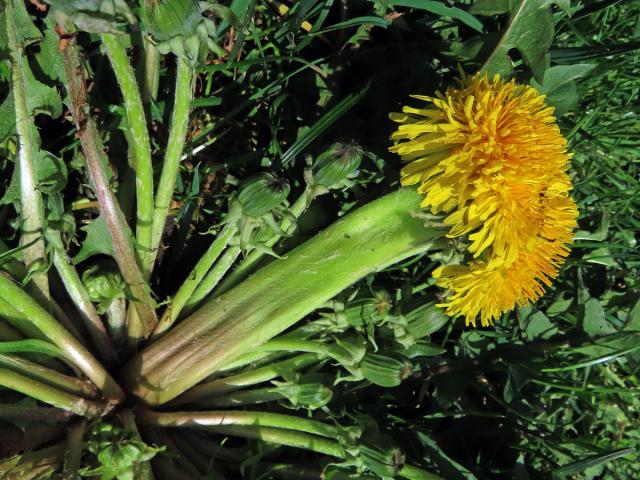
<point x="223" y="255"/>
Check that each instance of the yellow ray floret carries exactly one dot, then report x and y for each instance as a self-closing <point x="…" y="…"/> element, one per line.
<point x="490" y="156"/>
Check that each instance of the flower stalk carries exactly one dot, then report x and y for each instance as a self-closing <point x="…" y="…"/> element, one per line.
<point x="51" y="377"/>
<point x="80" y="298"/>
<point x="46" y="325"/>
<point x="194" y="279"/>
<point x="51" y="395"/>
<point x="379" y="234"/>
<point x="139" y="138"/>
<point x="109" y="208"/>
<point x="248" y="265"/>
<point x="245" y="379"/>
<point x="271" y="427"/>
<point x="174" y="149"/>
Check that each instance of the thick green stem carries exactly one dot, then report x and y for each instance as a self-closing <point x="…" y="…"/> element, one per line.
<point x="279" y="295"/>
<point x="269" y="427"/>
<point x="246" y="266"/>
<point x="173" y="154"/>
<point x="231" y="417"/>
<point x="212" y="279"/>
<point x="80" y="298"/>
<point x="265" y="354"/>
<point x="32" y="465"/>
<point x="18" y="271"/>
<point x="109" y="208"/>
<point x="247" y="397"/>
<point x="46" y="375"/>
<point x="73" y="450"/>
<point x="245" y="379"/>
<point x="283" y="436"/>
<point x="39" y="415"/>
<point x="50" y="395"/>
<point x="129" y="423"/>
<point x="151" y="68"/>
<point x="74" y="351"/>
<point x="141" y="146"/>
<point x="31" y="206"/>
<point x="196" y="276"/>
<point x="249" y="264"/>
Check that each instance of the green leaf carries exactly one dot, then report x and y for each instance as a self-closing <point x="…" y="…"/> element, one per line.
<point x="559" y="86"/>
<point x="492" y="7"/>
<point x="529" y="30"/>
<point x="98" y="241"/>
<point x="633" y="321"/>
<point x="26" y="30"/>
<point x="49" y="58"/>
<point x="7" y="118"/>
<point x="439" y="8"/>
<point x="580" y="465"/>
<point x="540" y="327"/>
<point x="601" y="256"/>
<point x="449" y="468"/>
<point x="322" y="124"/>
<point x="353" y="22"/>
<point x="595" y="323"/>
<point x="41" y="98"/>
<point x="51" y="175"/>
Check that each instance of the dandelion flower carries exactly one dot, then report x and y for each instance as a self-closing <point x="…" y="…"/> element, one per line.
<point x="490" y="156"/>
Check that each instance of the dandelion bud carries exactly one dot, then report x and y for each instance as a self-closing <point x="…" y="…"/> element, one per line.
<point x="368" y="311"/>
<point x="175" y="25"/>
<point x="104" y="284"/>
<point x="95" y="16"/>
<point x="380" y="454"/>
<point x="385" y="370"/>
<point x="261" y="194"/>
<point x="425" y="320"/>
<point x="311" y="392"/>
<point x="336" y="165"/>
<point x="348" y="351"/>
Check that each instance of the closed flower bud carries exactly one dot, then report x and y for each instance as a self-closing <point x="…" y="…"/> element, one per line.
<point x="336" y="165"/>
<point x="95" y="16"/>
<point x="104" y="284"/>
<point x="380" y="454"/>
<point x="385" y="370"/>
<point x="425" y="320"/>
<point x="167" y="19"/>
<point x="261" y="194"/>
<point x="179" y="26"/>
<point x="311" y="391"/>
<point x="349" y="352"/>
<point x="366" y="311"/>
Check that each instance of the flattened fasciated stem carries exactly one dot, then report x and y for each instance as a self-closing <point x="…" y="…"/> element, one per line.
<point x="233" y="417"/>
<point x="370" y="238"/>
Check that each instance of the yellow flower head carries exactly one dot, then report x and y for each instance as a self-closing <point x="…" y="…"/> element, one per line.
<point x="490" y="155"/>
